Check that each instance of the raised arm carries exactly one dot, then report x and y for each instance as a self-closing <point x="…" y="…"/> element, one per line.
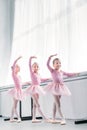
<point x="30" y="60"/>
<point x="13" y="66"/>
<point x="48" y="62"/>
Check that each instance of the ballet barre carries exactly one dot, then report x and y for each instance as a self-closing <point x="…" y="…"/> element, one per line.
<point x="82" y="76"/>
<point x="20" y="104"/>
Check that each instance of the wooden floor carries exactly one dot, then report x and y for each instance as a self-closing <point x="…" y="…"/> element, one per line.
<point x="28" y="125"/>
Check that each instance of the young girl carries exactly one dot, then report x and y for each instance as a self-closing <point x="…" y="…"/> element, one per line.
<point x="34" y="90"/>
<point x="16" y="92"/>
<point x="57" y="87"/>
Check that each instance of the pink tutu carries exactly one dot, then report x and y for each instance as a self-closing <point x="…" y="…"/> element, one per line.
<point x="16" y="93"/>
<point x="34" y="89"/>
<point x="57" y="89"/>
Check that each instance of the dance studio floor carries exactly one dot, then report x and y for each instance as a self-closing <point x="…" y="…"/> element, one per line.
<point x="27" y="125"/>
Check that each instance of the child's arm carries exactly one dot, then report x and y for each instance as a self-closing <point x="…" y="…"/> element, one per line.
<point x="13" y="66"/>
<point x="48" y="62"/>
<point x="16" y="61"/>
<point x="45" y="79"/>
<point x="70" y="74"/>
<point x="30" y="60"/>
<point x="26" y="83"/>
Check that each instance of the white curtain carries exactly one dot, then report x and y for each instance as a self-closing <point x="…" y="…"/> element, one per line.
<point x="44" y="27"/>
<point x="41" y="28"/>
<point x="6" y="33"/>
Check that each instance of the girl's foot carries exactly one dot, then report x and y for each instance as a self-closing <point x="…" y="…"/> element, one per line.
<point x="63" y="122"/>
<point x="55" y="121"/>
<point x="48" y="120"/>
<point x="36" y="121"/>
<point x="19" y="120"/>
<point x="13" y="120"/>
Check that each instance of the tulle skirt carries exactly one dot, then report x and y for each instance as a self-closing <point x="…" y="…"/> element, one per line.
<point x="57" y="89"/>
<point x="17" y="93"/>
<point x="34" y="89"/>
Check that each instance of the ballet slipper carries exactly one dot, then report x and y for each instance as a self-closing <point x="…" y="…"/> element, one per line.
<point x="19" y="120"/>
<point x="36" y="121"/>
<point x="63" y="122"/>
<point x="55" y="121"/>
<point x="13" y="120"/>
<point x="48" y="120"/>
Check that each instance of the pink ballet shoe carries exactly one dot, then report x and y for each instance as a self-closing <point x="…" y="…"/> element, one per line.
<point x="54" y="121"/>
<point x="63" y="122"/>
<point x="19" y="120"/>
<point x="48" y="120"/>
<point x="13" y="120"/>
<point x="36" y="121"/>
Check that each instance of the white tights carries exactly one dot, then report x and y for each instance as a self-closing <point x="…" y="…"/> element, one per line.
<point x="36" y="106"/>
<point x="14" y="109"/>
<point x="57" y="106"/>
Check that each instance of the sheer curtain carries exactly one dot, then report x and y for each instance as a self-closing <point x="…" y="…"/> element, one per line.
<point x="6" y="33"/>
<point x="41" y="28"/>
<point x="44" y="27"/>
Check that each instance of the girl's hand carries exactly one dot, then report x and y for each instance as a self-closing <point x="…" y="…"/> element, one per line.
<point x="33" y="57"/>
<point x="53" y="55"/>
<point x="19" y="57"/>
<point x="16" y="61"/>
